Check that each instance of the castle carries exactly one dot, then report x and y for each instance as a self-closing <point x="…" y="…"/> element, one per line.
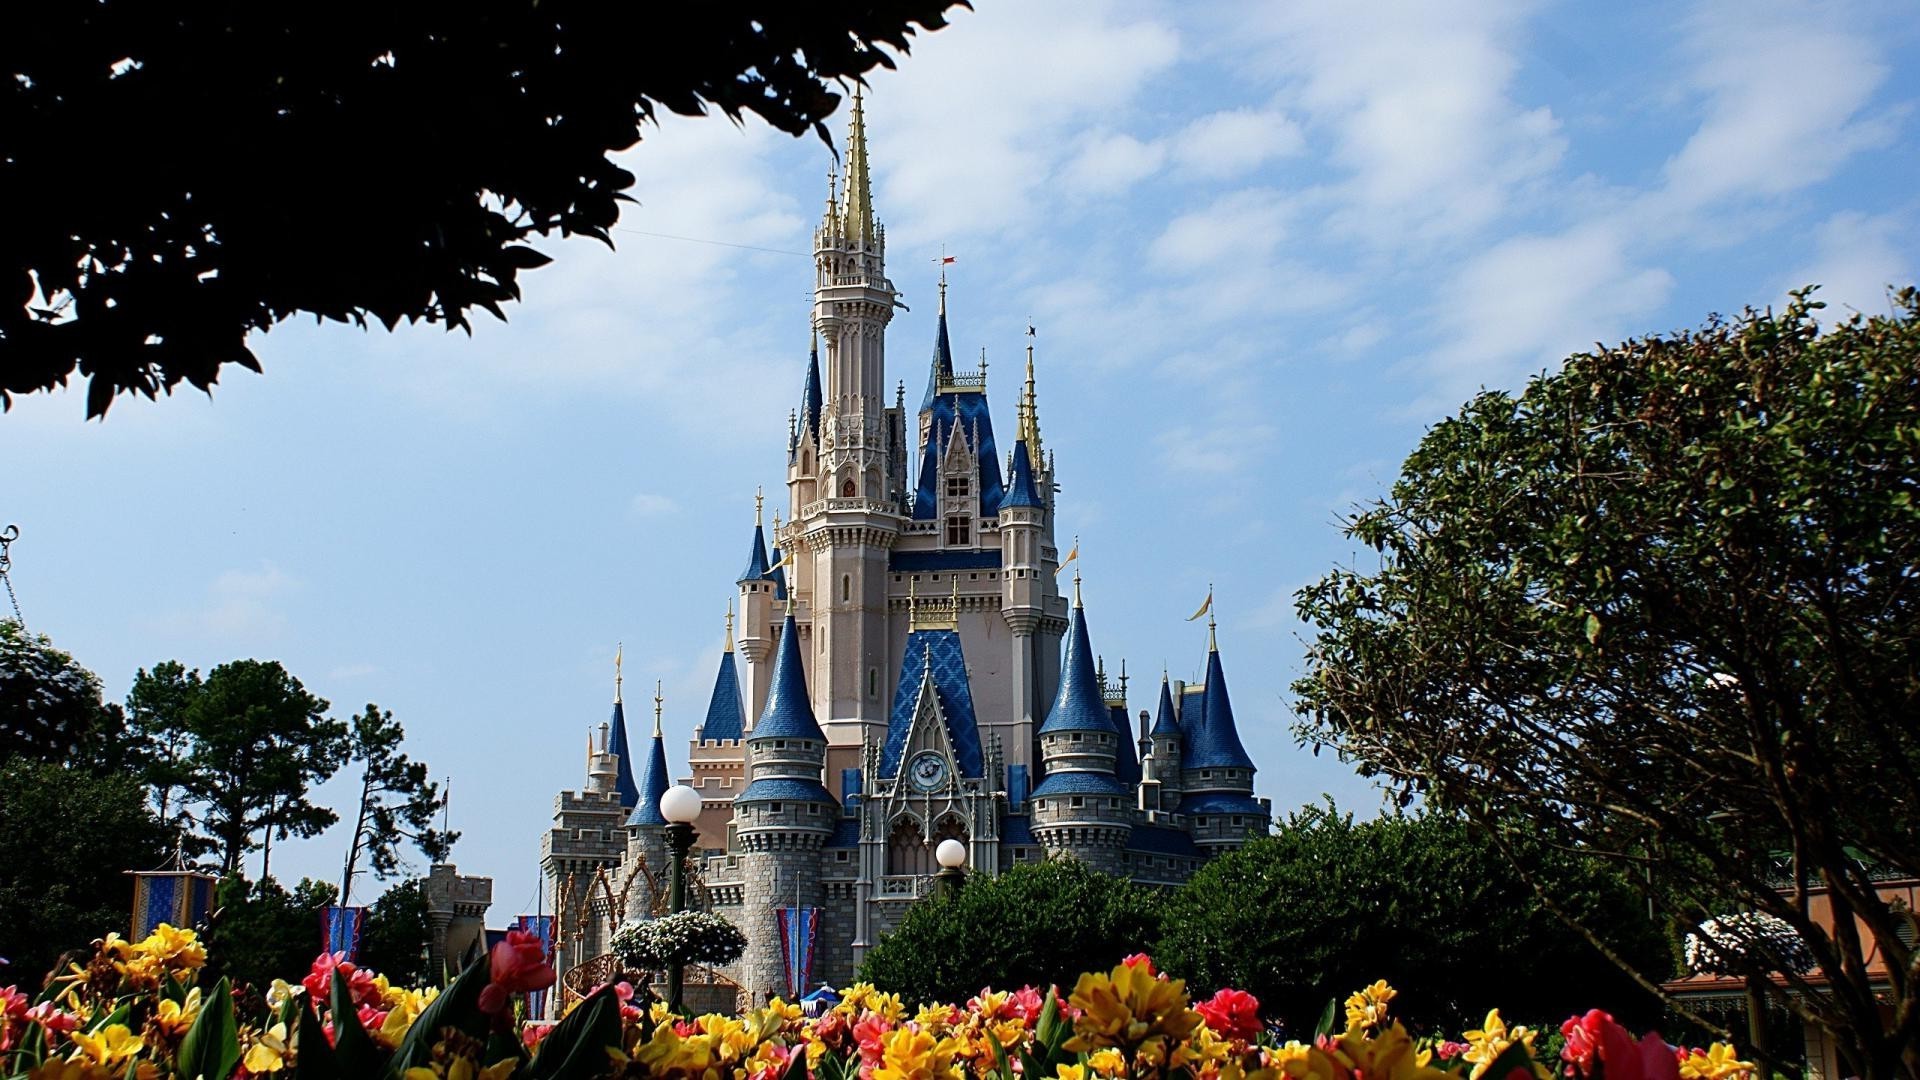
<point x="899" y="678"/>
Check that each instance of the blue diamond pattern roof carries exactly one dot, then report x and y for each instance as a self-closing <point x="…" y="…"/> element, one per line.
<point x="1222" y="802"/>
<point x="1126" y="763"/>
<point x="653" y="784"/>
<point x="785" y="789"/>
<point x="1162" y="840"/>
<point x="1079" y="706"/>
<point x="969" y="410"/>
<point x="1078" y="783"/>
<point x="788" y="713"/>
<point x="756" y="559"/>
<point x="1217" y="743"/>
<point x="1017" y="829"/>
<point x="920" y="562"/>
<point x="1193" y="718"/>
<point x="617" y="744"/>
<point x="846" y="834"/>
<point x="810" y="393"/>
<point x="1164" y="722"/>
<point x="937" y="651"/>
<point x="1021" y="490"/>
<point x="725" y="718"/>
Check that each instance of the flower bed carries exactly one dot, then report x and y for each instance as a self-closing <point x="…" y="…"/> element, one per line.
<point x="136" y="1011"/>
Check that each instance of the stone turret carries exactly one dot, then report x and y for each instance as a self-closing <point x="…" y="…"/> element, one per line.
<point x="1216" y="775"/>
<point x="1080" y="810"/>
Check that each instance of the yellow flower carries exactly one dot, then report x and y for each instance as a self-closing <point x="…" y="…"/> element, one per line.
<point x="282" y="992"/>
<point x="669" y="1053"/>
<point x="110" y="1045"/>
<point x="173" y="947"/>
<point x="1133" y="1010"/>
<point x="174" y="1018"/>
<point x="269" y="1051"/>
<point x="1070" y="1072"/>
<point x="1492" y="1039"/>
<point x="69" y="1070"/>
<point x="1717" y="1063"/>
<point x="1389" y="1055"/>
<point x="1368" y="1007"/>
<point x="910" y="1054"/>
<point x="1107" y="1062"/>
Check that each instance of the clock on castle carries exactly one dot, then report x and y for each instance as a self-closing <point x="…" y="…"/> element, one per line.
<point x="907" y="670"/>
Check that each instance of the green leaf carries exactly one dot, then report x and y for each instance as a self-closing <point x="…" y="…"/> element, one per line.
<point x="1002" y="1069"/>
<point x="312" y="1051"/>
<point x="458" y="1006"/>
<point x="1325" y="1026"/>
<point x="353" y="1048"/>
<point x="212" y="1046"/>
<point x="1593" y="628"/>
<point x="1513" y="1057"/>
<point x="576" y="1049"/>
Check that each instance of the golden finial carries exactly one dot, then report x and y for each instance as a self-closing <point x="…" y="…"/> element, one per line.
<point x="983" y="365"/>
<point x="913" y="601"/>
<point x="758" y="497"/>
<point x="657" y="702"/>
<point x="859" y="193"/>
<point x="729" y="624"/>
<point x="1029" y="410"/>
<point x="1212" y="644"/>
<point x="776" y="528"/>
<point x="618" y="651"/>
<point x="1076" y="579"/>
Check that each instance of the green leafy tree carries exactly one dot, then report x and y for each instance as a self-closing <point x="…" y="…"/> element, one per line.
<point x="259" y="931"/>
<point x="397" y="801"/>
<point x="394" y="939"/>
<point x="359" y="161"/>
<point x="157" y="724"/>
<point x="1662" y="608"/>
<point x="1426" y="902"/>
<point x="1041" y="923"/>
<point x="67" y="838"/>
<point x="258" y="743"/>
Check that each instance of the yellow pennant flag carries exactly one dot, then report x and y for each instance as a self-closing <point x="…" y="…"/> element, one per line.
<point x="1071" y="555"/>
<point x="1205" y="606"/>
<point x="786" y="559"/>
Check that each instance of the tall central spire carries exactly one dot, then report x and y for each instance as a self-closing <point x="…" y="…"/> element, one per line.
<point x="859" y="195"/>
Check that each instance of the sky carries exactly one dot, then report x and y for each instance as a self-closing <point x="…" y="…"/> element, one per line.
<point x="1265" y="246"/>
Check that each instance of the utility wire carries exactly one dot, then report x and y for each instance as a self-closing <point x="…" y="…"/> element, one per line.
<point x="714" y="243"/>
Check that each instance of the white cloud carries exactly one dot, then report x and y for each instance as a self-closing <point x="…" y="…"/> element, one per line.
<point x="1242" y="228"/>
<point x="1109" y="162"/>
<point x="1857" y="258"/>
<point x="1785" y="85"/>
<point x="648" y="504"/>
<point x="1216" y="450"/>
<point x="240" y="605"/>
<point x="1230" y="143"/>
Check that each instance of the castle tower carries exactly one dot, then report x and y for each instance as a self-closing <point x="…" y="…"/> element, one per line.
<point x="646" y="860"/>
<point x="757" y="615"/>
<point x="848" y="530"/>
<point x="783" y="818"/>
<point x="1216" y="775"/>
<point x="716" y="754"/>
<point x="1160" y="784"/>
<point x="1079" y="809"/>
<point x="622" y="752"/>
<point x="1027" y="580"/>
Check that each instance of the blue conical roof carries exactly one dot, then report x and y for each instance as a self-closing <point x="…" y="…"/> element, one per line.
<point x="653" y="784"/>
<point x="725" y="718"/>
<point x="617" y="744"/>
<point x="1164" y="722"/>
<point x="778" y="575"/>
<point x="1217" y="743"/>
<point x="942" y="369"/>
<point x="810" y="393"/>
<point x="1080" y="705"/>
<point x="756" y="559"/>
<point x="1126" y="761"/>
<point x="788" y="713"/>
<point x="1021" y="490"/>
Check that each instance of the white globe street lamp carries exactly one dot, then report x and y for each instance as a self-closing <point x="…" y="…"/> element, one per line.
<point x="680" y="806"/>
<point x="952" y="857"/>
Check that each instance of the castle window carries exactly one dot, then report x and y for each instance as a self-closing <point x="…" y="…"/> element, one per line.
<point x="846" y="587"/>
<point x="773" y="808"/>
<point x="814" y="809"/>
<point x="959" y="530"/>
<point x="956" y="487"/>
<point x="1076" y="802"/>
<point x="847" y="489"/>
<point x="1206" y="774"/>
<point x="1237" y="821"/>
<point x="1076" y="736"/>
<point x="873" y="682"/>
<point x="779" y="744"/>
<point x="840" y="856"/>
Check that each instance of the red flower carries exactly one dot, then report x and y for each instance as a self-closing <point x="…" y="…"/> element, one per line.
<point x="1232" y="1014"/>
<point x="319" y="981"/>
<point x="1141" y="959"/>
<point x="519" y="965"/>
<point x="1597" y="1036"/>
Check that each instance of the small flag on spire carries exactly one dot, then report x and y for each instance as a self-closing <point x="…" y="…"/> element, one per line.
<point x="1205" y="605"/>
<point x="1071" y="555"/>
<point x="786" y="559"/>
<point x="945" y="259"/>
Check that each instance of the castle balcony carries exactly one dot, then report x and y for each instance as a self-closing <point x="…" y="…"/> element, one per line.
<point x="862" y="281"/>
<point x="905" y="886"/>
<point x="847" y="506"/>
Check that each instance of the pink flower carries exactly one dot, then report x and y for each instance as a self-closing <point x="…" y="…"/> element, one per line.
<point x="1448" y="1049"/>
<point x="1597" y="1035"/>
<point x="319" y="980"/>
<point x="870" y="1033"/>
<point x="1027" y="1003"/>
<point x="1232" y="1014"/>
<point x="1141" y="959"/>
<point x="532" y="1035"/>
<point x="519" y="965"/>
<point x="50" y="1017"/>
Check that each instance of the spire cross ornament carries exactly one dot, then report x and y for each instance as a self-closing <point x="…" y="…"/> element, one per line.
<point x="658" y="700"/>
<point x="729" y="624"/>
<point x="759" y="496"/>
<point x="618" y="650"/>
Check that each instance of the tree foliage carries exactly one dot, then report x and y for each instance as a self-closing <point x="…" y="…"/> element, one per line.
<point x="1039" y="923"/>
<point x="1426" y="902"/>
<point x="67" y="838"/>
<point x="1662" y="607"/>
<point x="49" y="704"/>
<point x="259" y="931"/>
<point x="394" y="938"/>
<point x="195" y="173"/>
<point x="397" y="801"/>
<point x="255" y="743"/>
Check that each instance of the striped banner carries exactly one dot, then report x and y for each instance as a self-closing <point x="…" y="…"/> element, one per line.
<point x="179" y="898"/>
<point x="340" y="929"/>
<point x="799" y="929"/>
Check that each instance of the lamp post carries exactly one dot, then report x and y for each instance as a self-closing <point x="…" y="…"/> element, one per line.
<point x="680" y="806"/>
<point x="952" y="857"/>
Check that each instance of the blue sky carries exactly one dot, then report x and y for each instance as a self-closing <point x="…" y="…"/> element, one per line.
<point x="1265" y="245"/>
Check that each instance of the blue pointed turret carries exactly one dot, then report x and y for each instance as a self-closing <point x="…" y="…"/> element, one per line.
<point x="1215" y="743"/>
<point x="1079" y="705"/>
<point x="810" y="394"/>
<point x="617" y="745"/>
<point x="1126" y="760"/>
<point x="653" y="782"/>
<point x="788" y="713"/>
<point x="942" y="368"/>
<point x="1164" y="722"/>
<point x="725" y="718"/>
<point x="1021" y="490"/>
<point x="756" y="559"/>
